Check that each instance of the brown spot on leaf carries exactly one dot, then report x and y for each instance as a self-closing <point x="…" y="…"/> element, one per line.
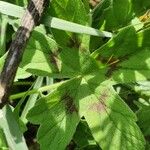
<point x="102" y="59"/>
<point x="108" y="60"/>
<point x="83" y="48"/>
<point x="104" y="95"/>
<point x="69" y="103"/>
<point x="54" y="60"/>
<point x="98" y="107"/>
<point x="113" y="62"/>
<point x="115" y="65"/>
<point x="74" y="42"/>
<point x="111" y="69"/>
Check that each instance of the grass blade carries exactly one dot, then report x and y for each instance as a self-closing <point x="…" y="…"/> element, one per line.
<point x="17" y="11"/>
<point x="11" y="130"/>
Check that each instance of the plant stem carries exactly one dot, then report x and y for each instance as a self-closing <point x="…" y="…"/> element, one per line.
<point x="41" y="89"/>
<point x="23" y="83"/>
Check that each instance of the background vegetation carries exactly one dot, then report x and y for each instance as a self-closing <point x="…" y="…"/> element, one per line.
<point x="83" y="82"/>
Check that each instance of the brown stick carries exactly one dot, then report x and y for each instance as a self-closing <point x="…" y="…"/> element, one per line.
<point x="30" y="19"/>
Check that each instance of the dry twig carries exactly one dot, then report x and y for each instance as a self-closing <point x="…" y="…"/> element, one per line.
<point x="30" y="19"/>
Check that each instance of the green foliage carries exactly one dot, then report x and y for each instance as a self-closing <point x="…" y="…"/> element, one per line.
<point x="58" y="115"/>
<point x="84" y="111"/>
<point x="113" y="125"/>
<point x="10" y="126"/>
<point x="3" y="144"/>
<point x="121" y="53"/>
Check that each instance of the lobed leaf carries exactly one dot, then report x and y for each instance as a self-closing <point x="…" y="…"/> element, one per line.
<point x="112" y="123"/>
<point x="126" y="56"/>
<point x="57" y="115"/>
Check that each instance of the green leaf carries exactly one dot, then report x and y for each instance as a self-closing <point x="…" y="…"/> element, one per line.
<point x="22" y="74"/>
<point x="69" y="10"/>
<point x="31" y="100"/>
<point x="144" y="119"/>
<point x="113" y="14"/>
<point x="83" y="137"/>
<point x="3" y="143"/>
<point x="3" y="28"/>
<point x="11" y="129"/>
<point x="122" y="10"/>
<point x="41" y="54"/>
<point x="43" y="57"/>
<point x="126" y="56"/>
<point x="140" y="6"/>
<point x="57" y="115"/>
<point x="76" y="63"/>
<point x="116" y="45"/>
<point x="142" y="87"/>
<point x="111" y="121"/>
